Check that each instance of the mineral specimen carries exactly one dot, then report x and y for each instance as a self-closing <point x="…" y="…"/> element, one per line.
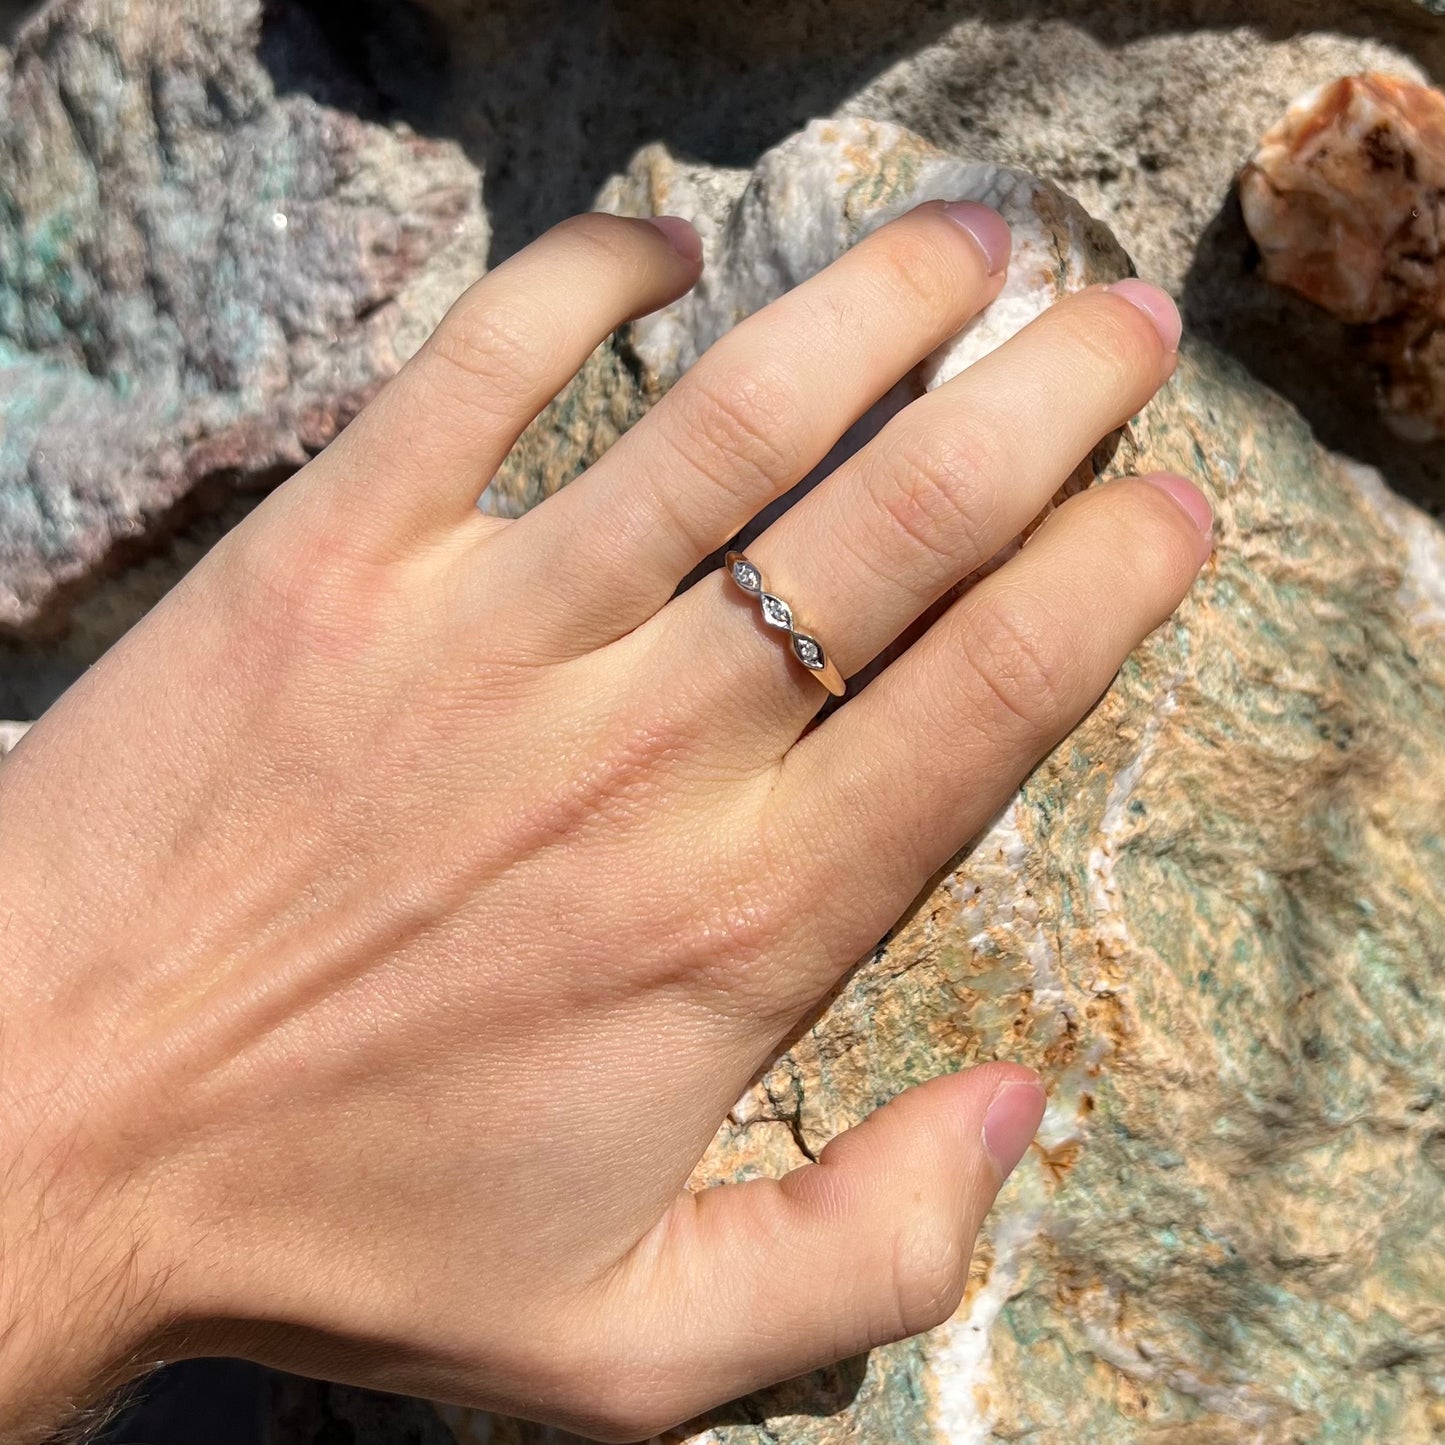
<point x="1346" y="199"/>
<point x="200" y="279"/>
<point x="1212" y="919"/>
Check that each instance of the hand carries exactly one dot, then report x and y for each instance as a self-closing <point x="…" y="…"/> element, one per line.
<point x="393" y="916"/>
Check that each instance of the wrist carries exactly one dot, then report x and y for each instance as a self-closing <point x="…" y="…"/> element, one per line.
<point x="77" y="1310"/>
<point x="82" y="1298"/>
<point x="82" y="1285"/>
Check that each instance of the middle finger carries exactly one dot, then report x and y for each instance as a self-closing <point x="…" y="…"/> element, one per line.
<point x="947" y="483"/>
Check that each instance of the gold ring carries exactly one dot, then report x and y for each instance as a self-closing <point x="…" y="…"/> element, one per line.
<point x="776" y="613"/>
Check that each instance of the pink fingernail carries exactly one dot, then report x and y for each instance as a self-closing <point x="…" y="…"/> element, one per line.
<point x="989" y="230"/>
<point x="684" y="238"/>
<point x="1013" y="1118"/>
<point x="1157" y="305"/>
<point x="1189" y="497"/>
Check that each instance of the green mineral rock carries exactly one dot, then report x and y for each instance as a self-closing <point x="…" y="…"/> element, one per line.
<point x="1214" y="918"/>
<point x="201" y="279"/>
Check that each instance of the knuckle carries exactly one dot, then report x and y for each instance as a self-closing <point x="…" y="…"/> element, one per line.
<point x="1116" y="340"/>
<point x="929" y="1272"/>
<point x="1022" y="662"/>
<point x="603" y="239"/>
<point x="1160" y="540"/>
<point x="1145" y="529"/>
<point x="735" y="942"/>
<point x="284" y="582"/>
<point x="739" y="934"/>
<point x="490" y="344"/>
<point x="941" y="493"/>
<point x="746" y="420"/>
<point x="913" y="269"/>
<point x="296" y="595"/>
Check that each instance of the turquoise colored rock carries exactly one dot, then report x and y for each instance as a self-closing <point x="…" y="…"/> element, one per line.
<point x="201" y="279"/>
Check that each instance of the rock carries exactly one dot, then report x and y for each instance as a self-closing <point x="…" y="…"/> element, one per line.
<point x="1212" y="919"/>
<point x="755" y="248"/>
<point x="1143" y="112"/>
<point x="1212" y="916"/>
<point x="1345" y="197"/>
<point x="200" y="279"/>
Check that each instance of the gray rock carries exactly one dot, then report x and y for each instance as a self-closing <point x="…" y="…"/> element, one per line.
<point x="1144" y="111"/>
<point x="200" y="280"/>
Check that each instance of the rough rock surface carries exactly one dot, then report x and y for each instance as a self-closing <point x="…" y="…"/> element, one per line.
<point x="1212" y="919"/>
<point x="1345" y="197"/>
<point x="1144" y="111"/>
<point x="200" y="279"/>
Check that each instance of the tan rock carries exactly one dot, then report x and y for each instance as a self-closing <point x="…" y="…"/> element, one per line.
<point x="1212" y="919"/>
<point x="1345" y="197"/>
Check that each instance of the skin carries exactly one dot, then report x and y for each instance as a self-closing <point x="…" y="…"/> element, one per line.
<point x="391" y="918"/>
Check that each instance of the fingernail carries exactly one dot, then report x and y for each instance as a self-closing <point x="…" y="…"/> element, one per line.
<point x="685" y="240"/>
<point x="1157" y="305"/>
<point x="1189" y="497"/>
<point x="1013" y="1118"/>
<point x="989" y="230"/>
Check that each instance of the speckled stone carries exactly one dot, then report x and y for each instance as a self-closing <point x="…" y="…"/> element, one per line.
<point x="1345" y="197"/>
<point x="1213" y="919"/>
<point x="200" y="280"/>
<point x="1143" y="110"/>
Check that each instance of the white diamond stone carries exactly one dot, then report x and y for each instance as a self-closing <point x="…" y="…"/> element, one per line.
<point x="747" y="576"/>
<point x="776" y="612"/>
<point x="809" y="653"/>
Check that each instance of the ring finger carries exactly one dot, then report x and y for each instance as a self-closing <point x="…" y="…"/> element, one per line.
<point x="752" y="418"/>
<point x="947" y="483"/>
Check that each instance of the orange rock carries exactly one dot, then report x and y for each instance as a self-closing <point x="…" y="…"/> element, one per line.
<point x="1346" y="197"/>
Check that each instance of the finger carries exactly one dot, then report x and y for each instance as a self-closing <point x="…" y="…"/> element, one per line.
<point x="948" y="482"/>
<point x="965" y="469"/>
<point x="761" y="1281"/>
<point x="421" y="453"/>
<point x="758" y="412"/>
<point x="923" y="758"/>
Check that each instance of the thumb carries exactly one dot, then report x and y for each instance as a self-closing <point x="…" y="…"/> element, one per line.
<point x="757" y="1282"/>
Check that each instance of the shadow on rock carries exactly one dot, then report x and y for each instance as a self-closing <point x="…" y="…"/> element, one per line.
<point x="549" y="98"/>
<point x="1316" y="361"/>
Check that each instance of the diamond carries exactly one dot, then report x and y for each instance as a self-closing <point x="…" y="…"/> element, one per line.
<point x="776" y="612"/>
<point x="747" y="576"/>
<point x="809" y="653"/>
